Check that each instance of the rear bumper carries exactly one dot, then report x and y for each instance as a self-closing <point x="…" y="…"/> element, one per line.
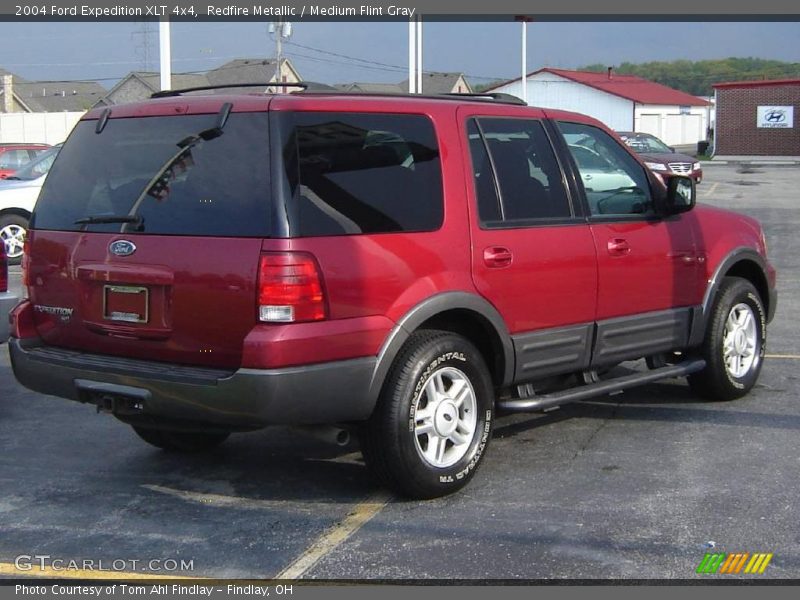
<point x="137" y="390"/>
<point x="7" y="302"/>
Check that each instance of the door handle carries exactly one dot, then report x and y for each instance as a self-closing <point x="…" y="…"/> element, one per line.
<point x="618" y="247"/>
<point x="587" y="177"/>
<point x="497" y="257"/>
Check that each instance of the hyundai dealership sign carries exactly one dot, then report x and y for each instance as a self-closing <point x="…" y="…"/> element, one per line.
<point x="776" y="117"/>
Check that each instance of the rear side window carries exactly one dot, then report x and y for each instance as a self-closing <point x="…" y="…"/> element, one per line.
<point x="13" y="159"/>
<point x="358" y="173"/>
<point x="517" y="177"/>
<point x="177" y="175"/>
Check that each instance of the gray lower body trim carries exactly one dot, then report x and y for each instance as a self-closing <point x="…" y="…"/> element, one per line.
<point x="247" y="399"/>
<point x="577" y="348"/>
<point x="627" y="338"/>
<point x="553" y="351"/>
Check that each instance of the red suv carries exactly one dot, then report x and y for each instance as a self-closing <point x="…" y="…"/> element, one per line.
<point x="15" y="156"/>
<point x="401" y="266"/>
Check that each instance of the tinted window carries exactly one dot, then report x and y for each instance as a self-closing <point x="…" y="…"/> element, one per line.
<point x="39" y="166"/>
<point x="177" y="173"/>
<point x="525" y="167"/>
<point x="615" y="183"/>
<point x="13" y="159"/>
<point x="353" y="173"/>
<point x="489" y="208"/>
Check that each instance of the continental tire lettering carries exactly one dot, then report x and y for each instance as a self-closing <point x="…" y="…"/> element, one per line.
<point x="487" y="427"/>
<point x="427" y="373"/>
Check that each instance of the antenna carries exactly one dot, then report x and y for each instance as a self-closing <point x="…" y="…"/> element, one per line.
<point x="142" y="36"/>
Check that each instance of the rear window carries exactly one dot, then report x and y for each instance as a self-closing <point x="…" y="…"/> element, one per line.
<point x="176" y="174"/>
<point x="357" y="173"/>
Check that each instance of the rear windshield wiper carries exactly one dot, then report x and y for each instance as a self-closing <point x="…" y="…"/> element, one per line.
<point x="98" y="220"/>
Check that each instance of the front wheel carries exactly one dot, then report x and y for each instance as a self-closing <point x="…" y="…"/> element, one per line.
<point x="735" y="342"/>
<point x="433" y="421"/>
<point x="180" y="441"/>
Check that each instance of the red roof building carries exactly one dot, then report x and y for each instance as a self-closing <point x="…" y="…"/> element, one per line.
<point x="623" y="102"/>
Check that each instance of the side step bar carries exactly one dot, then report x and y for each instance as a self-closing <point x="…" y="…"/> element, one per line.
<point x="537" y="403"/>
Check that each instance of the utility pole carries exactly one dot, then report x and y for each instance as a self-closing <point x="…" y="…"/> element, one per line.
<point x="524" y="78"/>
<point x="415" y="55"/>
<point x="280" y="29"/>
<point x="412" y="56"/>
<point x="278" y="48"/>
<point x="165" y="54"/>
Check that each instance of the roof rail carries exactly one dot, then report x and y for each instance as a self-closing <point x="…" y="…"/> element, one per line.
<point x="312" y="87"/>
<point x="487" y="97"/>
<point x="201" y="88"/>
<point x="495" y="96"/>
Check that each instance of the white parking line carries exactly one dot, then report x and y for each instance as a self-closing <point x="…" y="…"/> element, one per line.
<point x="222" y="501"/>
<point x="710" y="190"/>
<point x="786" y="356"/>
<point x="335" y="536"/>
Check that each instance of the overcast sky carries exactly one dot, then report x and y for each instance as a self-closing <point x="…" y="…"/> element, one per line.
<point x="106" y="51"/>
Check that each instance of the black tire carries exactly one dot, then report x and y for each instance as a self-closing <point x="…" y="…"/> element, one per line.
<point x="394" y="450"/>
<point x="180" y="441"/>
<point x="716" y="381"/>
<point x="9" y="220"/>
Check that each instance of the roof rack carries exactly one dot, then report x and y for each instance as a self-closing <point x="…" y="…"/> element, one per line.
<point x="202" y="88"/>
<point x="495" y="96"/>
<point x="309" y="87"/>
<point x="486" y="97"/>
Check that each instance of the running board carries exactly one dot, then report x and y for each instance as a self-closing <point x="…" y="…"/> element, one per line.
<point x="537" y="403"/>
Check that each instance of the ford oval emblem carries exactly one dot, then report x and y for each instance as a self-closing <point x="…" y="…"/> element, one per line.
<point x="122" y="248"/>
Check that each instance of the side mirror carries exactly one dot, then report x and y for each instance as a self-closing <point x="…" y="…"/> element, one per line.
<point x="681" y="195"/>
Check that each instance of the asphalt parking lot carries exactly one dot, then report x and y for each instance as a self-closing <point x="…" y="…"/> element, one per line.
<point x="638" y="485"/>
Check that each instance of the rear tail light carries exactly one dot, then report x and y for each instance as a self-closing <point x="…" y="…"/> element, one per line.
<point x="21" y="320"/>
<point x="3" y="268"/>
<point x="290" y="288"/>
<point x="26" y="261"/>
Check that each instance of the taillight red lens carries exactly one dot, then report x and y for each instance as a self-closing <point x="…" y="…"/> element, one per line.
<point x="290" y="288"/>
<point x="3" y="268"/>
<point x="26" y="260"/>
<point x="21" y="320"/>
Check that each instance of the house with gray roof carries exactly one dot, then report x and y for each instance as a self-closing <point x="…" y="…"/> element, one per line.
<point x="139" y="85"/>
<point x="432" y="83"/>
<point x="20" y="95"/>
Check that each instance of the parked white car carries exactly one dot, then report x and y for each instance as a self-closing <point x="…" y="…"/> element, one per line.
<point x="18" y="196"/>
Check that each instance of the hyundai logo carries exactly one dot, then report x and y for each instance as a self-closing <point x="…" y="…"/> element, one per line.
<point x="775" y="116"/>
<point x="122" y="248"/>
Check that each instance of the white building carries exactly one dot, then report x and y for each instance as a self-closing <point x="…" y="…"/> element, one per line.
<point x="622" y="102"/>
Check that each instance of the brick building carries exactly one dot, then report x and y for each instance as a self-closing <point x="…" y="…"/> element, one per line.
<point x="758" y="118"/>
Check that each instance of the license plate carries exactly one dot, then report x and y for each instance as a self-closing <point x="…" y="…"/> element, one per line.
<point x="126" y="303"/>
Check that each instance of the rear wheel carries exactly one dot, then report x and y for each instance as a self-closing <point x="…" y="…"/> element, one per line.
<point x="13" y="229"/>
<point x="433" y="420"/>
<point x="735" y="342"/>
<point x="180" y="441"/>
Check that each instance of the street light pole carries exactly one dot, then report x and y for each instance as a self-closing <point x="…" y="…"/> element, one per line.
<point x="164" y="54"/>
<point x="524" y="79"/>
<point x="412" y="56"/>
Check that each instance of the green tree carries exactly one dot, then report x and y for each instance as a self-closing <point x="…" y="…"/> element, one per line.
<point x="698" y="77"/>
